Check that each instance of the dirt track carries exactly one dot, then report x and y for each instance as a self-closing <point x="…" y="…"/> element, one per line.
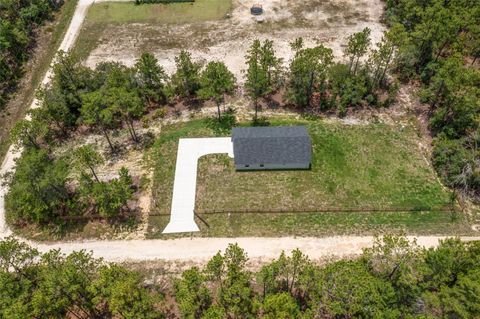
<point x="199" y="250"/>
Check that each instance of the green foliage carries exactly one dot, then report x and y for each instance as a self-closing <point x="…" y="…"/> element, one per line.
<point x="456" y="161"/>
<point x="186" y="80"/>
<point x="151" y="79"/>
<point x="192" y="295"/>
<point x="439" y="46"/>
<point x="280" y="306"/>
<point x="216" y="81"/>
<point x="308" y="74"/>
<point x="19" y="21"/>
<point x="98" y="112"/>
<point x="54" y="285"/>
<point x="235" y="293"/>
<point x="108" y="199"/>
<point x="223" y="124"/>
<point x="357" y="46"/>
<point x="346" y="289"/>
<point x="71" y="80"/>
<point x="54" y="111"/>
<point x="28" y="133"/>
<point x="130" y="107"/>
<point x="37" y="191"/>
<point x="85" y="157"/>
<point x="263" y="74"/>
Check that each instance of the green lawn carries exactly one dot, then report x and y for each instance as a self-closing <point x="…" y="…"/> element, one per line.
<point x="175" y="13"/>
<point x="360" y="166"/>
<point x="102" y="15"/>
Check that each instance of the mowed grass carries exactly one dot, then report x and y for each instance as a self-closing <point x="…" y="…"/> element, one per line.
<point x="354" y="167"/>
<point x="102" y="15"/>
<point x="175" y="13"/>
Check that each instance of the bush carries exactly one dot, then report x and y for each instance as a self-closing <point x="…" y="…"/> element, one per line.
<point x="37" y="191"/>
<point x="224" y="124"/>
<point x="160" y="113"/>
<point x="260" y="121"/>
<point x="456" y="161"/>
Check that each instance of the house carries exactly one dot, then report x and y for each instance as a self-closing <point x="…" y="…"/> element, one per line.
<point x="268" y="148"/>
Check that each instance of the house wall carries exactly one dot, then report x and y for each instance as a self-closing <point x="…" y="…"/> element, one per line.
<point x="264" y="167"/>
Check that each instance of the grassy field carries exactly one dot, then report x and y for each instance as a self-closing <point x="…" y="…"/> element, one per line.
<point x="100" y="15"/>
<point x="353" y="167"/>
<point x="21" y="102"/>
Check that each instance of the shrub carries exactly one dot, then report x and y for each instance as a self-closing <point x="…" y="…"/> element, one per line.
<point x="224" y="124"/>
<point x="160" y="113"/>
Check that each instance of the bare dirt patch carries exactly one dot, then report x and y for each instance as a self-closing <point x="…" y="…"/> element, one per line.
<point x="328" y="22"/>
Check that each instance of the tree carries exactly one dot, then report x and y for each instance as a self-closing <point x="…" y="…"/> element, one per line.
<point x="186" y="79"/>
<point x="216" y="81"/>
<point x="263" y="73"/>
<point x="357" y="47"/>
<point x="454" y="97"/>
<point x="445" y="264"/>
<point x="98" y="112"/>
<point x="192" y="295"/>
<point x="19" y="21"/>
<point x="235" y="293"/>
<point x="37" y="190"/>
<point x="308" y="74"/>
<point x="54" y="285"/>
<point x="122" y="291"/>
<point x="130" y="107"/>
<point x="382" y="58"/>
<point x="395" y="259"/>
<point x="108" y="199"/>
<point x="280" y="306"/>
<point x="28" y="133"/>
<point x="54" y="111"/>
<point x="85" y="157"/>
<point x="17" y="270"/>
<point x="72" y="80"/>
<point x="347" y="290"/>
<point x="151" y="79"/>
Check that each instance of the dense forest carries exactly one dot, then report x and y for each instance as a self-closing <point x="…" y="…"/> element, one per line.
<point x="442" y="53"/>
<point x="19" y="22"/>
<point x="393" y="279"/>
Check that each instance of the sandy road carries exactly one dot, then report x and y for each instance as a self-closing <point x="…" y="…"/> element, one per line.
<point x="185" y="249"/>
<point x="199" y="250"/>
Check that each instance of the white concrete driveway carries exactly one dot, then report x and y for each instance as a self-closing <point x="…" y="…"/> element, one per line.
<point x="184" y="187"/>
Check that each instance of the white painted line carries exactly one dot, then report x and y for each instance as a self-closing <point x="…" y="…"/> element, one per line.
<point x="185" y="183"/>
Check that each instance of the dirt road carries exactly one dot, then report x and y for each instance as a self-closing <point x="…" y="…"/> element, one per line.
<point x="199" y="250"/>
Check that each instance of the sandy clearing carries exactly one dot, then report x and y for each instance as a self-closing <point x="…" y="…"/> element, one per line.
<point x="329" y="22"/>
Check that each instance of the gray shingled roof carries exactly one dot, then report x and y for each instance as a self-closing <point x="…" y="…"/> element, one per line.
<point x="271" y="145"/>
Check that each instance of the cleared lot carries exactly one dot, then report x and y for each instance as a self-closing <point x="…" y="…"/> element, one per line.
<point x="354" y="167"/>
<point x="122" y="31"/>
